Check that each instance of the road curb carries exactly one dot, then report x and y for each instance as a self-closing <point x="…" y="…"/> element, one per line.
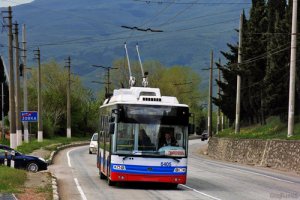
<point x="54" y="187"/>
<point x="50" y="161"/>
<point x="59" y="148"/>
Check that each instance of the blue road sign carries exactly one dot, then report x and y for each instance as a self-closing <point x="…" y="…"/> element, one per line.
<point x="29" y="116"/>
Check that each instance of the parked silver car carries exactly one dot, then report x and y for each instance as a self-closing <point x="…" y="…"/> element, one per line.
<point x="93" y="144"/>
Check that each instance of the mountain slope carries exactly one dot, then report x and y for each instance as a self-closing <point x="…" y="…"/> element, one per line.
<point x="90" y="31"/>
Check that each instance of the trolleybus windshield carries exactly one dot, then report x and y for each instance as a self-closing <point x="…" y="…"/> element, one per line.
<point x="152" y="130"/>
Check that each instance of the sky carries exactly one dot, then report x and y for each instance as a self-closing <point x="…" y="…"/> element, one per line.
<point x="5" y="3"/>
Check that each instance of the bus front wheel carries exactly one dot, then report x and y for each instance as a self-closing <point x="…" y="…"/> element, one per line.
<point x="110" y="182"/>
<point x="173" y="185"/>
<point x="102" y="176"/>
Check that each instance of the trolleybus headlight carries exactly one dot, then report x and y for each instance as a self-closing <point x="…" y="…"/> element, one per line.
<point x="119" y="167"/>
<point x="177" y="169"/>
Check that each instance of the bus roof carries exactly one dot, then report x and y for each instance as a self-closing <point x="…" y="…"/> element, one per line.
<point x="141" y="95"/>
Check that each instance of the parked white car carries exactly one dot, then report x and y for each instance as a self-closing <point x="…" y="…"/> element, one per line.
<point x="94" y="144"/>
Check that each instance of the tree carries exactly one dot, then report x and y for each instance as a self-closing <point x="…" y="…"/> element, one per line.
<point x="277" y="73"/>
<point x="54" y="101"/>
<point x="227" y="100"/>
<point x="3" y="79"/>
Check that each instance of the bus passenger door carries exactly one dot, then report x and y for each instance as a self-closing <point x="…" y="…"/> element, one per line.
<point x="109" y="141"/>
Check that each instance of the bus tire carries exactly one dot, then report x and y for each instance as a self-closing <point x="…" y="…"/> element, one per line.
<point x="173" y="185"/>
<point x="110" y="182"/>
<point x="102" y="176"/>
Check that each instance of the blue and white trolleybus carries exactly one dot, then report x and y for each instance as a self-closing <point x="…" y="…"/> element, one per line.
<point x="143" y="137"/>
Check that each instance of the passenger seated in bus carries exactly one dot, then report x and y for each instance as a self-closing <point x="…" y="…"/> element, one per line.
<point x="144" y="141"/>
<point x="122" y="139"/>
<point x="168" y="140"/>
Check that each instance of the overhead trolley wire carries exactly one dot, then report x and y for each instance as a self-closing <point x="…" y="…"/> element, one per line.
<point x="199" y="17"/>
<point x="148" y="21"/>
<point x="199" y="3"/>
<point x="178" y="14"/>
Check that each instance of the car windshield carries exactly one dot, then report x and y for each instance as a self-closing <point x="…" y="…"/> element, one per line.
<point x="151" y="139"/>
<point x="95" y="137"/>
<point x="9" y="152"/>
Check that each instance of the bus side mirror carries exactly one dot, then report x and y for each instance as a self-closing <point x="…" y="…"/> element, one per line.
<point x="111" y="128"/>
<point x="112" y="119"/>
<point x="116" y="117"/>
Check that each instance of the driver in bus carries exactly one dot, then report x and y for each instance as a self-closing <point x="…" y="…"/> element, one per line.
<point x="168" y="140"/>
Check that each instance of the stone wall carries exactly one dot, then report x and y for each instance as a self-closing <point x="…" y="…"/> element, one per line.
<point x="279" y="154"/>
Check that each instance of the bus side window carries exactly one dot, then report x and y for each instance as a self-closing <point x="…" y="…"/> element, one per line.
<point x="101" y="136"/>
<point x="107" y="141"/>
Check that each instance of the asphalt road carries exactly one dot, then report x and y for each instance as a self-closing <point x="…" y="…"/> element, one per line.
<point x="207" y="179"/>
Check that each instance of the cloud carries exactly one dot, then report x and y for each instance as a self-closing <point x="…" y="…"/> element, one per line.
<point x="6" y="3"/>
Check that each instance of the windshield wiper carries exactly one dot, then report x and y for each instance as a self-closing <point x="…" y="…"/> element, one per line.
<point x="126" y="157"/>
<point x="176" y="159"/>
<point x="133" y="153"/>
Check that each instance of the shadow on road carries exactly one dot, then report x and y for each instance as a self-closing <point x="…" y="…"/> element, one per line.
<point x="146" y="186"/>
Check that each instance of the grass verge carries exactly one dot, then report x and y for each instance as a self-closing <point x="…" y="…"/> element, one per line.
<point x="274" y="129"/>
<point x="11" y="180"/>
<point x="49" y="144"/>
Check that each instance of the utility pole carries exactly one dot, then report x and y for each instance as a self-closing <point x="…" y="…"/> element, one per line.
<point x="68" y="65"/>
<point x="40" y="124"/>
<point x="222" y="114"/>
<point x="12" y="111"/>
<point x="209" y="117"/>
<point x="108" y="75"/>
<point x="2" y="108"/>
<point x="292" y="71"/>
<point x="17" y="86"/>
<point x="24" y="56"/>
<point x="238" y="84"/>
<point x="219" y="91"/>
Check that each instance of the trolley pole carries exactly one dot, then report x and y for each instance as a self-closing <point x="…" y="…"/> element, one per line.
<point x="40" y="124"/>
<point x="238" y="87"/>
<point x="292" y="71"/>
<point x="68" y="62"/>
<point x="17" y="86"/>
<point x="209" y="118"/>
<point x="24" y="59"/>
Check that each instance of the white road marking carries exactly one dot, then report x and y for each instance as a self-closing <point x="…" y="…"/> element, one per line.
<point x="250" y="172"/>
<point x="68" y="156"/>
<point x="199" y="192"/>
<point x="80" y="189"/>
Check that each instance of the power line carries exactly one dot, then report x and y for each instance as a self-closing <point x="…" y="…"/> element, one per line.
<point x="264" y="55"/>
<point x="146" y="22"/>
<point x="85" y="40"/>
<point x="201" y="26"/>
<point x="157" y="14"/>
<point x="193" y="3"/>
<point x="177" y="14"/>
<point x="199" y="17"/>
